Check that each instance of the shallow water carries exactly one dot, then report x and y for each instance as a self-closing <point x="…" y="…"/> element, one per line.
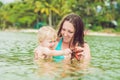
<point x="16" y="60"/>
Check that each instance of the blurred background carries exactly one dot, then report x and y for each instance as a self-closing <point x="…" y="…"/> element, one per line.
<point x="16" y="47"/>
<point x="98" y="15"/>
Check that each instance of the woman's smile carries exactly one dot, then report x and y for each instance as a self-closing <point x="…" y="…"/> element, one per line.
<point x="67" y="31"/>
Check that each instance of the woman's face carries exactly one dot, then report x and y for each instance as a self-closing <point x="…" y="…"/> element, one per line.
<point x="67" y="31"/>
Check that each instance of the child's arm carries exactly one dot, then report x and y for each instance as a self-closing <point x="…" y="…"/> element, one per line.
<point x="49" y="52"/>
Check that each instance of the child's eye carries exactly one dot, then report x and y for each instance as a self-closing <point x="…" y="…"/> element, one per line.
<point x="50" y="41"/>
<point x="54" y="41"/>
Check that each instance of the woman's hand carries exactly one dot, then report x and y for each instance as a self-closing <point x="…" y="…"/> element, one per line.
<point x="77" y="53"/>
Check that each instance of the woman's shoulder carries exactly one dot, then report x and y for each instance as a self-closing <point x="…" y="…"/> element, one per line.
<point x="86" y="46"/>
<point x="87" y="49"/>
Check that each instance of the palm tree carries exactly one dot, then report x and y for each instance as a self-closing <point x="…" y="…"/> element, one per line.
<point x="45" y="7"/>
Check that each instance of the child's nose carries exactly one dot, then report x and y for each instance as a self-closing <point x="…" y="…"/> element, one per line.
<point x="52" y="44"/>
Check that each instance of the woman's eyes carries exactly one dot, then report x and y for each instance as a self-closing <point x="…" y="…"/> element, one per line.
<point x="68" y="30"/>
<point x="63" y="29"/>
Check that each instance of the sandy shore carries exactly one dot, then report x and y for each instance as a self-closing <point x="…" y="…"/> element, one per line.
<point x="86" y="33"/>
<point x="102" y="34"/>
<point x="29" y="30"/>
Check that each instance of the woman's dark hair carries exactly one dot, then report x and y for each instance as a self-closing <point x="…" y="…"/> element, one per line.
<point x="78" y="24"/>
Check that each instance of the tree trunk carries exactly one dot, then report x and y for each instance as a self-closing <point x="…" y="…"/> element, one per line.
<point x="50" y="18"/>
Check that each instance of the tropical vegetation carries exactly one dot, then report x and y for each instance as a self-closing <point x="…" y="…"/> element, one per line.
<point x="96" y="14"/>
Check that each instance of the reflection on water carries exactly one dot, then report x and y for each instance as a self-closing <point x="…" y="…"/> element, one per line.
<point x="59" y="71"/>
<point x="16" y="60"/>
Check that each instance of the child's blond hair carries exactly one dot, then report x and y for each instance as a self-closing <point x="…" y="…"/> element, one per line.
<point x="46" y="32"/>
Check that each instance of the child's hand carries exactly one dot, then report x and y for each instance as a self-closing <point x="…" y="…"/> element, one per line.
<point x="67" y="51"/>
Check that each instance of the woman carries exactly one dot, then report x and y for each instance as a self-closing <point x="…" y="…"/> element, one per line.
<point x="71" y="35"/>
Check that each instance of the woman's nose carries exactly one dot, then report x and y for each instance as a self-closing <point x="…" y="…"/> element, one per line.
<point x="65" y="34"/>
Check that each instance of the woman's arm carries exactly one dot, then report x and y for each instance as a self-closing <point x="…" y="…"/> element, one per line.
<point x="87" y="55"/>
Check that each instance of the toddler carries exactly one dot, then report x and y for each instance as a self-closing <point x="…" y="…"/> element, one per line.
<point x="47" y="37"/>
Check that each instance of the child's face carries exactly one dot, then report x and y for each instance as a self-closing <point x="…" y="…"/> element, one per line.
<point x="48" y="43"/>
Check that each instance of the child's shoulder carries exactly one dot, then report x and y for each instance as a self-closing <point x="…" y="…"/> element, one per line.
<point x="38" y="47"/>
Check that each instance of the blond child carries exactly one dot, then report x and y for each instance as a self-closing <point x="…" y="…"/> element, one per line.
<point x="47" y="37"/>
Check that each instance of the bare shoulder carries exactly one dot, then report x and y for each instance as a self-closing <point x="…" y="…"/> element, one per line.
<point x="86" y="45"/>
<point x="37" y="49"/>
<point x="87" y="50"/>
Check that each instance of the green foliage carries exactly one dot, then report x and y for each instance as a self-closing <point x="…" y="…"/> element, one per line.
<point x="1" y="3"/>
<point x="29" y="12"/>
<point x="118" y="27"/>
<point x="97" y="28"/>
